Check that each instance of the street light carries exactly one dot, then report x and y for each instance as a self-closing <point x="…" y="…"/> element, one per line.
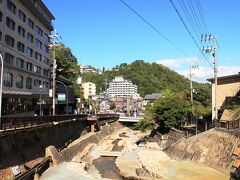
<point x="1" y="89"/>
<point x="40" y="86"/>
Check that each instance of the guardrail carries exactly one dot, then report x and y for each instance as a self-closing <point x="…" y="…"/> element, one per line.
<point x="229" y="125"/>
<point x="12" y="124"/>
<point x="17" y="123"/>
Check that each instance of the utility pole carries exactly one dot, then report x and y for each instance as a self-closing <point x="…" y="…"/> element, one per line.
<point x="209" y="50"/>
<point x="105" y="96"/>
<point x="53" y="45"/>
<point x="191" y="86"/>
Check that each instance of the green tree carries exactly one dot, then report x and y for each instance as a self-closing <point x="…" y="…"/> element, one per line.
<point x="67" y="67"/>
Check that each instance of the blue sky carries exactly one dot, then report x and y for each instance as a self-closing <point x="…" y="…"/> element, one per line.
<point x="106" y="33"/>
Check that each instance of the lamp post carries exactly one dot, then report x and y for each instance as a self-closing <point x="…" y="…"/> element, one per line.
<point x="66" y="92"/>
<point x="1" y="89"/>
<point x="40" y="87"/>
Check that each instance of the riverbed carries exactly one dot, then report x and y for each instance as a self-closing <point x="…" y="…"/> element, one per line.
<point x="119" y="157"/>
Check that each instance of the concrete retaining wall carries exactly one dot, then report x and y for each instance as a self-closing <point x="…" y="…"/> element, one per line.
<point x="28" y="148"/>
<point x="213" y="148"/>
<point x="73" y="150"/>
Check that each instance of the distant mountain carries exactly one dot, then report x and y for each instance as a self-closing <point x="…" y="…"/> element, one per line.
<point x="149" y="77"/>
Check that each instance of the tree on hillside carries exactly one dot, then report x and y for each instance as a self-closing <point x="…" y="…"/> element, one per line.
<point x="67" y="67"/>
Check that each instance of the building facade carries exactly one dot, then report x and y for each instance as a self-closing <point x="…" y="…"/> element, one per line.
<point x="120" y="87"/>
<point x="89" y="90"/>
<point x="227" y="88"/>
<point x="24" y="29"/>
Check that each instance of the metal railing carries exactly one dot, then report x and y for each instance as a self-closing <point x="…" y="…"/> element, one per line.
<point x="18" y="123"/>
<point x="29" y="122"/>
<point x="229" y="125"/>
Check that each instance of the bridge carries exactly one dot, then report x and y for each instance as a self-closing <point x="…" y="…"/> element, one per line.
<point x="129" y="119"/>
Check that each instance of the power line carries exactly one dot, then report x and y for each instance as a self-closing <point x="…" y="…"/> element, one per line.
<point x="154" y="28"/>
<point x="189" y="18"/>
<point x="179" y="15"/>
<point x="192" y="9"/>
<point x="201" y="15"/>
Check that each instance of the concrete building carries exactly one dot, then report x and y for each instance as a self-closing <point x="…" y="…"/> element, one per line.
<point x="24" y="29"/>
<point x="120" y="87"/>
<point x="89" y="90"/>
<point x="228" y="87"/>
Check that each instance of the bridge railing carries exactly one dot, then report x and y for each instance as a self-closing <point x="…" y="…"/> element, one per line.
<point x="107" y="117"/>
<point x="13" y="123"/>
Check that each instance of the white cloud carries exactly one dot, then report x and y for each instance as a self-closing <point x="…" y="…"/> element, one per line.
<point x="177" y="63"/>
<point x="202" y="73"/>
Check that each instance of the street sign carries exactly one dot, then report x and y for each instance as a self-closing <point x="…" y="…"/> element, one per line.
<point x="61" y="97"/>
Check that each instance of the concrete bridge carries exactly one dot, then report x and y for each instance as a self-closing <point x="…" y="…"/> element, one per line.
<point x="129" y="119"/>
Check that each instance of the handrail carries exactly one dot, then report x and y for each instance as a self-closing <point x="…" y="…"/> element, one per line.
<point x="28" y="122"/>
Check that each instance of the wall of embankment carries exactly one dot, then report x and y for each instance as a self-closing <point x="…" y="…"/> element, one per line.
<point x="27" y="148"/>
<point x="213" y="148"/>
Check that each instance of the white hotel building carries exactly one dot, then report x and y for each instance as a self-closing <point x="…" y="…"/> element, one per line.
<point x="120" y="87"/>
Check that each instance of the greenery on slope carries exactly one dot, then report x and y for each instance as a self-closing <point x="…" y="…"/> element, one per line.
<point x="151" y="78"/>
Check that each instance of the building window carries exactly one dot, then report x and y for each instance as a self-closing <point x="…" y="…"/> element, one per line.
<point x="29" y="52"/>
<point x="11" y="6"/>
<point x="29" y="66"/>
<point x="46" y="49"/>
<point x="45" y="72"/>
<point x="1" y="16"/>
<point x="0" y="35"/>
<point x="21" y="31"/>
<point x="46" y="61"/>
<point x="10" y="23"/>
<point x="20" y="63"/>
<point x="30" y="38"/>
<point x="30" y="23"/>
<point x="46" y="38"/>
<point x="7" y="79"/>
<point x="38" y="30"/>
<point x="9" y="40"/>
<point x="37" y="69"/>
<point x="38" y="43"/>
<point x="46" y="84"/>
<point x="38" y="56"/>
<point x="20" y="47"/>
<point x="29" y="83"/>
<point x="21" y="15"/>
<point x="8" y="58"/>
<point x="37" y="82"/>
<point x="19" y="82"/>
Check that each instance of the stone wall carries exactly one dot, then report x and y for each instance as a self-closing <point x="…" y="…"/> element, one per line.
<point x="213" y="148"/>
<point x="71" y="151"/>
<point x="28" y="148"/>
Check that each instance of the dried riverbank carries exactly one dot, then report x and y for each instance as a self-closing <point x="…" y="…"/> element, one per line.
<point x="121" y="156"/>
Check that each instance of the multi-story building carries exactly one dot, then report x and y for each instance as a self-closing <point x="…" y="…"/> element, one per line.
<point x="24" y="29"/>
<point x="89" y="90"/>
<point x="120" y="87"/>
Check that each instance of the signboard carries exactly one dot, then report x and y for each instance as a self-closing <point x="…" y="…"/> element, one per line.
<point x="61" y="97"/>
<point x="50" y="92"/>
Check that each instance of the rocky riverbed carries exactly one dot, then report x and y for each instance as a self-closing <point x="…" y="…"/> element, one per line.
<point x="118" y="156"/>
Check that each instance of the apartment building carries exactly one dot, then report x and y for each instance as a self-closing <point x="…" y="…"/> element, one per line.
<point x="24" y="29"/>
<point x="119" y="87"/>
<point x="89" y="90"/>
